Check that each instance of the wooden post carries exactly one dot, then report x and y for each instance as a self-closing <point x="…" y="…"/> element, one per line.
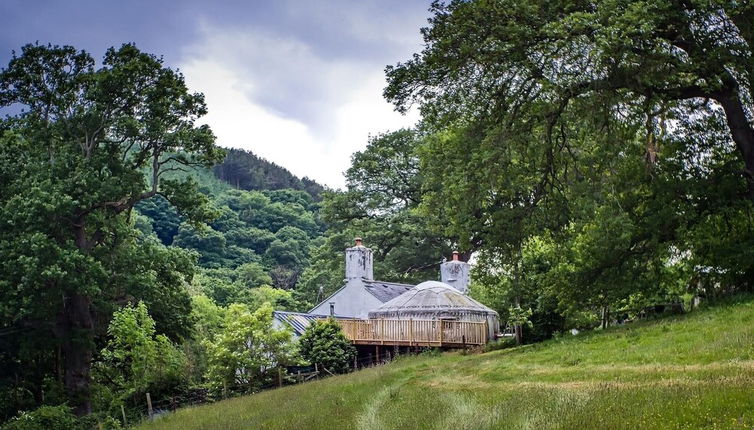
<point x="441" y="330"/>
<point x="123" y="412"/>
<point x="298" y="376"/>
<point x="382" y="334"/>
<point x="410" y="331"/>
<point x="377" y="352"/>
<point x="355" y="363"/>
<point x="280" y="377"/>
<point x="463" y="341"/>
<point x="149" y="406"/>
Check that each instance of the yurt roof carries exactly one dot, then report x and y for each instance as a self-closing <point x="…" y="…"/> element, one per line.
<point x="433" y="296"/>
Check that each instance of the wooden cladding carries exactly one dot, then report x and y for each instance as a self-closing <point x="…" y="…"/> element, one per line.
<point x="415" y="332"/>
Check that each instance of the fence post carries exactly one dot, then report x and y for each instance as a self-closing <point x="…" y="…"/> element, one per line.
<point x="149" y="407"/>
<point x="123" y="411"/>
<point x="440" y="326"/>
<point x="355" y="363"/>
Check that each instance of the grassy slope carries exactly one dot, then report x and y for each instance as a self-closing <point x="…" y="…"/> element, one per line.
<point x="694" y="371"/>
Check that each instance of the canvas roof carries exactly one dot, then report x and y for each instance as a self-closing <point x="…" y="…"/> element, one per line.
<point x="432" y="296"/>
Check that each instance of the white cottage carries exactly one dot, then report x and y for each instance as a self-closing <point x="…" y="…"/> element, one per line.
<point x="362" y="297"/>
<point x="361" y="293"/>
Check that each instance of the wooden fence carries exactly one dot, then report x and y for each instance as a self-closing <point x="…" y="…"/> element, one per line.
<point x="415" y="332"/>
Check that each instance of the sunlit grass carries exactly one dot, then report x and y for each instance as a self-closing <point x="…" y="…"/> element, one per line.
<point x="693" y="371"/>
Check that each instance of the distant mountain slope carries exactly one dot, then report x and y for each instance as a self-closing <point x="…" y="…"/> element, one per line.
<point x="247" y="171"/>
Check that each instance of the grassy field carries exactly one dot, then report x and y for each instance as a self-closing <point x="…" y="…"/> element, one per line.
<point x="691" y="371"/>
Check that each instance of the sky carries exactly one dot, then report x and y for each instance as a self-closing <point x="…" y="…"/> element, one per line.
<point x="297" y="82"/>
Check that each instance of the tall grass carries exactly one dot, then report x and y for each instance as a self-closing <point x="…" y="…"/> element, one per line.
<point x="691" y="371"/>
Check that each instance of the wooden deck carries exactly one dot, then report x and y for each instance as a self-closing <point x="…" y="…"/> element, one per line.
<point x="439" y="333"/>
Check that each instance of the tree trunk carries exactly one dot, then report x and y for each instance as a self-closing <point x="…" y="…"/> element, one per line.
<point x="77" y="332"/>
<point x="519" y="334"/>
<point x="741" y="131"/>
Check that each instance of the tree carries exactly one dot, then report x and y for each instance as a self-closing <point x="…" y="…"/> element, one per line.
<point x="136" y="359"/>
<point x="73" y="166"/>
<point x="323" y="343"/>
<point x="248" y="349"/>
<point x="515" y="61"/>
<point x="253" y="275"/>
<point x="610" y="129"/>
<point x="380" y="204"/>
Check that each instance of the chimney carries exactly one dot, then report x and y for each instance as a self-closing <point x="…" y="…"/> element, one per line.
<point x="359" y="262"/>
<point x="456" y="273"/>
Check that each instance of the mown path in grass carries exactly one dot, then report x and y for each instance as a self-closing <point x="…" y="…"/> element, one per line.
<point x="692" y="371"/>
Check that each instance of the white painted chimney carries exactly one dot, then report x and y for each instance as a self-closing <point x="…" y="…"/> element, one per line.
<point x="359" y="262"/>
<point x="456" y="273"/>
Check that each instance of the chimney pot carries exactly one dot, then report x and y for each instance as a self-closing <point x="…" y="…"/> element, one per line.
<point x="455" y="255"/>
<point x="358" y="241"/>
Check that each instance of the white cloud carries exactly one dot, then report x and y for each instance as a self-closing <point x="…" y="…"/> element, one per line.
<point x="282" y="99"/>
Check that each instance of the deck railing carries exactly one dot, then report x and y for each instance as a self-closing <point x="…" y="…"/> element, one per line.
<point x="413" y="332"/>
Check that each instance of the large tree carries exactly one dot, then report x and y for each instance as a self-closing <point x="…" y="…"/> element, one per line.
<point x="620" y="131"/>
<point x="512" y="61"/>
<point x="82" y="146"/>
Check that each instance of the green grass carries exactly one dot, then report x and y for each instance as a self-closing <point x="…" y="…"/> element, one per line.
<point x="692" y="371"/>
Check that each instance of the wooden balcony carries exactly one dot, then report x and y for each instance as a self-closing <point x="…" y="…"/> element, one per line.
<point x="437" y="333"/>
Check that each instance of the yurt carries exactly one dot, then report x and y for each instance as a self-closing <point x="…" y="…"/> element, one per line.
<point x="433" y="300"/>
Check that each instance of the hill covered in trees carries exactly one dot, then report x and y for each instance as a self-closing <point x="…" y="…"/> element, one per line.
<point x="246" y="171"/>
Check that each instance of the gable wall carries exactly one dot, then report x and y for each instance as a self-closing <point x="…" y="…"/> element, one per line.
<point x="352" y="301"/>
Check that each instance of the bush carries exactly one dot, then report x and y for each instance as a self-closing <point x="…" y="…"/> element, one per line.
<point x="508" y="342"/>
<point x="45" y="417"/>
<point x="323" y="343"/>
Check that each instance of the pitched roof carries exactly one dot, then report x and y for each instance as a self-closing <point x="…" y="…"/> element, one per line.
<point x="296" y="320"/>
<point x="386" y="291"/>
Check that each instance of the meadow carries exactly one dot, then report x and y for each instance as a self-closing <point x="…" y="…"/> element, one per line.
<point x="684" y="372"/>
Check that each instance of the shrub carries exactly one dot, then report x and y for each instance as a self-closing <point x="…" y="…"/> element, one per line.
<point x="323" y="343"/>
<point x="45" y="417"/>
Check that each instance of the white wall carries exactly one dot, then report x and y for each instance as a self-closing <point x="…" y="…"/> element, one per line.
<point x="352" y="301"/>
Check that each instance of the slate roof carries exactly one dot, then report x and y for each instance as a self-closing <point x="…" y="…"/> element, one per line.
<point x="385" y="291"/>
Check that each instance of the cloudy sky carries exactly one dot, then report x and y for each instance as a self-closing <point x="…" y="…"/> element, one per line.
<point x="298" y="82"/>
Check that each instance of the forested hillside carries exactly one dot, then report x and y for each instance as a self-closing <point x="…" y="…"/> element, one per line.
<point x="258" y="237"/>
<point x="246" y="171"/>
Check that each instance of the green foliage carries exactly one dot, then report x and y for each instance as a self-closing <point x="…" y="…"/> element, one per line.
<point x="249" y="350"/>
<point x="45" y="417"/>
<point x="379" y="205"/>
<point x="89" y="144"/>
<point x="253" y="275"/>
<point x="136" y="359"/>
<point x="324" y="343"/>
<point x="589" y="153"/>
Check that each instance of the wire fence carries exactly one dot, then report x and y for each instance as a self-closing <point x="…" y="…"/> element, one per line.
<point x="292" y="375"/>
